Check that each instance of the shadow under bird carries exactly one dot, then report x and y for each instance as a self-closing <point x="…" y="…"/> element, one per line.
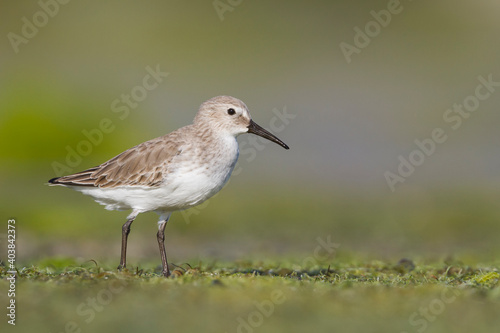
<point x="176" y="171"/>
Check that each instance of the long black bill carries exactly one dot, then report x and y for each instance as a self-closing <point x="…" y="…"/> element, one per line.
<point x="256" y="129"/>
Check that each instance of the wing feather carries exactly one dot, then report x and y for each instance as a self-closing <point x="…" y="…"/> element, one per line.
<point x="147" y="164"/>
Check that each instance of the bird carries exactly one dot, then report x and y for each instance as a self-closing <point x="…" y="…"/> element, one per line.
<point x="173" y="172"/>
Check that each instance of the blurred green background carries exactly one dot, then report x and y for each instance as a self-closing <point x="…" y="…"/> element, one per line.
<point x="351" y="121"/>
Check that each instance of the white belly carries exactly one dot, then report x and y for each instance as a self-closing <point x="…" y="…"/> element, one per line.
<point x="188" y="185"/>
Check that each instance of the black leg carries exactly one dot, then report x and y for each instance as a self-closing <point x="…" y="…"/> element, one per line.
<point x="160" y="236"/>
<point x="125" y="232"/>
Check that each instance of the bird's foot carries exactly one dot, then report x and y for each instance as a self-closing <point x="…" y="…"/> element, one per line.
<point x="166" y="272"/>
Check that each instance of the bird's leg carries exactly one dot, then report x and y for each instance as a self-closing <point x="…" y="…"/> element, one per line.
<point x="125" y="232"/>
<point x="160" y="236"/>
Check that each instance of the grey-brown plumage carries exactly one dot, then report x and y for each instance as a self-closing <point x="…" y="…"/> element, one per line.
<point x="173" y="172"/>
<point x="143" y="165"/>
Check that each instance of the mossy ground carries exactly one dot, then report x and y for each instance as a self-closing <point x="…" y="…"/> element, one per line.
<point x="60" y="295"/>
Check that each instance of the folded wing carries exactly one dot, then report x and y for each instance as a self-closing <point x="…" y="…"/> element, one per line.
<point x="144" y="165"/>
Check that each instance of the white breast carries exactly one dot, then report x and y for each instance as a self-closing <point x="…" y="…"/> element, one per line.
<point x="193" y="179"/>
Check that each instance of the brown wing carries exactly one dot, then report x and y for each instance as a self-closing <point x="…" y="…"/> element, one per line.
<point x="144" y="165"/>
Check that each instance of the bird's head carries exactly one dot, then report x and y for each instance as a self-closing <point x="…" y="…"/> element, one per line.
<point x="231" y="116"/>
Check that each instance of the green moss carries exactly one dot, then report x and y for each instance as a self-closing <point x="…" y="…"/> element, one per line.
<point x="360" y="296"/>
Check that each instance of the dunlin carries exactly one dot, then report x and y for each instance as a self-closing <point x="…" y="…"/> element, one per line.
<point x="173" y="172"/>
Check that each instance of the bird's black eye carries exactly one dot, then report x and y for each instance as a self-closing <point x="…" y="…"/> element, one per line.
<point x="231" y="111"/>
